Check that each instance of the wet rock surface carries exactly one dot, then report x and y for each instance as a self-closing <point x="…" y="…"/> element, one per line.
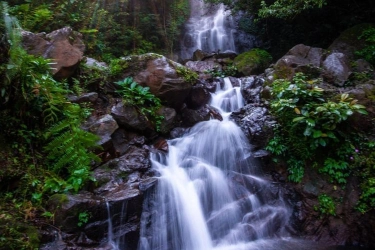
<point x="161" y="75"/>
<point x="64" y="47"/>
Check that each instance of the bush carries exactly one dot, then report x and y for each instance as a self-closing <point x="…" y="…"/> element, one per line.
<point x="309" y="122"/>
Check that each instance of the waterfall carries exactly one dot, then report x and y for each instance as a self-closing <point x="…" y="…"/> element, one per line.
<point x="210" y="194"/>
<point x="209" y="28"/>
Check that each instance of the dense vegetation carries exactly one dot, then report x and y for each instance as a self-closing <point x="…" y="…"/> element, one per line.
<point x="311" y="124"/>
<point x="110" y="28"/>
<point x="43" y="149"/>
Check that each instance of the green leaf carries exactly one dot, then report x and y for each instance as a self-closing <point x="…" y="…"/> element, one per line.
<point x="322" y="142"/>
<point x="310" y="122"/>
<point x="317" y="134"/>
<point x="133" y="85"/>
<point x="362" y="111"/>
<point x="297" y="119"/>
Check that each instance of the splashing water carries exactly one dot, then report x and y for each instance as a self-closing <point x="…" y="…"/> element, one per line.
<point x="208" y="195"/>
<point x="209" y="28"/>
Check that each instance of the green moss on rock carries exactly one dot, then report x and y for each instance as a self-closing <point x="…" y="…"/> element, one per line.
<point x="253" y="62"/>
<point x="188" y="75"/>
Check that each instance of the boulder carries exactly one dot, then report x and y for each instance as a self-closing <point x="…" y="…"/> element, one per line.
<point x="85" y="97"/>
<point x="252" y="62"/>
<point x="199" y="96"/>
<point x="135" y="159"/>
<point x="191" y="117"/>
<point x="64" y="47"/>
<point x="168" y="80"/>
<point x="251" y="88"/>
<point x="201" y="67"/>
<point x="123" y="140"/>
<point x="348" y="42"/>
<point x="300" y="58"/>
<point x="336" y="69"/>
<point x="256" y="122"/>
<point x="129" y="117"/>
<point x="67" y="208"/>
<point x="104" y="127"/>
<point x="169" y="119"/>
<point x="91" y="62"/>
<point x="199" y="55"/>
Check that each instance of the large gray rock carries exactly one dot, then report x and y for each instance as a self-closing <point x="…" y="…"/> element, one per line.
<point x="300" y="58"/>
<point x="203" y="66"/>
<point x="348" y="42"/>
<point x="199" y="96"/>
<point x="104" y="127"/>
<point x="336" y="69"/>
<point x="166" y="79"/>
<point x="129" y="117"/>
<point x="168" y="122"/>
<point x="123" y="140"/>
<point x="64" y="47"/>
<point x="191" y="117"/>
<point x="256" y="122"/>
<point x="251" y="88"/>
<point x="85" y="97"/>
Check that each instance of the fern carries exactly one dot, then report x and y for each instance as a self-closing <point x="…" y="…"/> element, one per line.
<point x="69" y="151"/>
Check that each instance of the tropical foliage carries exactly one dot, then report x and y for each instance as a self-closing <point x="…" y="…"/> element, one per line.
<point x="310" y="124"/>
<point x="140" y="97"/>
<point x="110" y="29"/>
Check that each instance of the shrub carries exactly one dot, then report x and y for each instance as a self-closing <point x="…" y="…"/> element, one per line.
<point x="308" y="123"/>
<point x="140" y="97"/>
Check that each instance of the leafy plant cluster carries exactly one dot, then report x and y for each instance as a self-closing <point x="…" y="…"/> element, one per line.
<point x="310" y="126"/>
<point x="368" y="35"/>
<point x="326" y="205"/>
<point x="364" y="160"/>
<point x="309" y="122"/>
<point x="43" y="149"/>
<point x="140" y="97"/>
<point x="188" y="75"/>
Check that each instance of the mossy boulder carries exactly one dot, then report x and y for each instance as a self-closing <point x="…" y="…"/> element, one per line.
<point x="348" y="42"/>
<point x="252" y="62"/>
<point x="167" y="80"/>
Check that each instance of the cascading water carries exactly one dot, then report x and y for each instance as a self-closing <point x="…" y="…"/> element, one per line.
<point x="209" y="28"/>
<point x="209" y="195"/>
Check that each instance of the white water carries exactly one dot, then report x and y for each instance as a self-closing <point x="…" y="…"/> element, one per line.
<point x="209" y="29"/>
<point x="208" y="196"/>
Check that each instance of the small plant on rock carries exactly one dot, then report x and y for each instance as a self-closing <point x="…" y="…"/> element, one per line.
<point x="326" y="205"/>
<point x="140" y="97"/>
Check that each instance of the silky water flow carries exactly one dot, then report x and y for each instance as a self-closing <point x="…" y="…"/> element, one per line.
<point x="209" y="194"/>
<point x="209" y="28"/>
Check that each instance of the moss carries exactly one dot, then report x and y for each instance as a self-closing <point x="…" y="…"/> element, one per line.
<point x="253" y="62"/>
<point x="188" y="75"/>
<point x="57" y="200"/>
<point x="283" y="72"/>
<point x="370" y="94"/>
<point x="117" y="66"/>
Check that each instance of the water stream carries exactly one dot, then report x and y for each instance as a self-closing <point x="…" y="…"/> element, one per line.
<point x="209" y="28"/>
<point x="209" y="194"/>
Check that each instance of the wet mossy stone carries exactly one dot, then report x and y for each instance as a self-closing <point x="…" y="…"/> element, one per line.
<point x="348" y="42"/>
<point x="252" y="62"/>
